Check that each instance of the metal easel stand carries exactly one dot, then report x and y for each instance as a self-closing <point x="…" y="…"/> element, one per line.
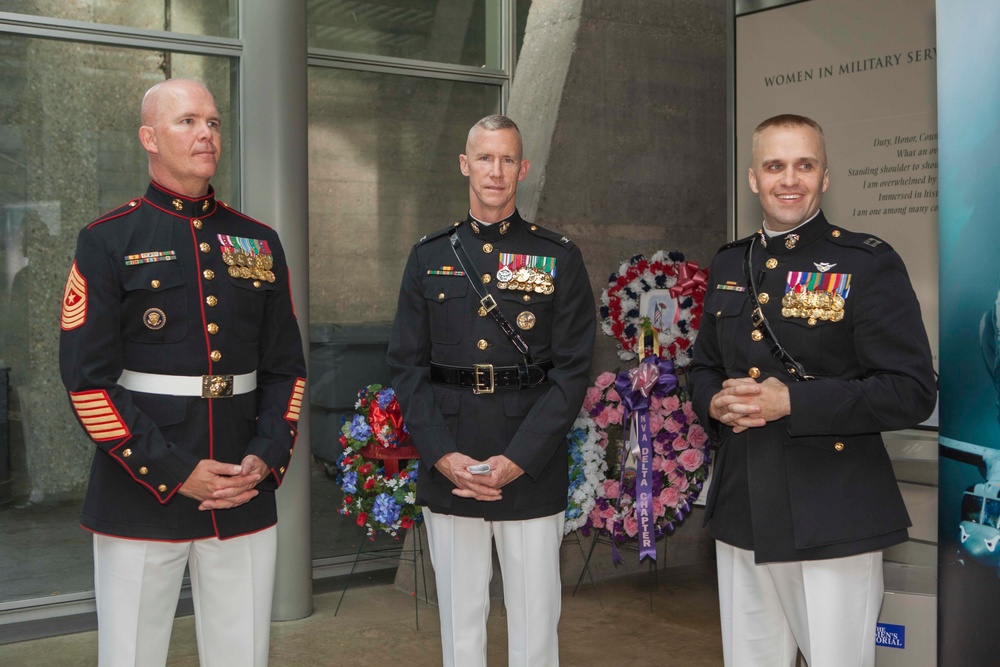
<point x="400" y="554"/>
<point x="603" y="537"/>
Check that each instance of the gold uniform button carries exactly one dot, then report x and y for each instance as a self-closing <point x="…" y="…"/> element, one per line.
<point x="835" y="233"/>
<point x="209" y="274"/>
<point x="256" y="283"/>
<point x="204" y="247"/>
<point x="771" y="263"/>
<point x="211" y="300"/>
<point x="155" y="284"/>
<point x="292" y="433"/>
<point x="441" y="296"/>
<point x="763" y="297"/>
<point x="127" y="453"/>
<point x="204" y="206"/>
<point x="282" y="470"/>
<point x="213" y="328"/>
<point x="482" y="344"/>
<point x="718" y="313"/>
<point x="757" y="335"/>
<point x="482" y="311"/>
<point x="487" y="248"/>
<point x="197" y="223"/>
<point x="178" y="204"/>
<point x="754" y="372"/>
<point x="133" y="203"/>
<point x="216" y="355"/>
<point x="143" y="470"/>
<point x="487" y="278"/>
<point x="839" y="446"/>
<point x="534" y="228"/>
<point x="456" y="224"/>
<point x="526" y="297"/>
<point x="162" y="488"/>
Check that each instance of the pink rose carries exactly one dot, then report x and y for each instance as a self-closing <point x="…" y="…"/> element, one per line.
<point x="691" y="459"/>
<point x="679" y="444"/>
<point x="613" y="396"/>
<point x="657" y="507"/>
<point x="615" y="414"/>
<point x="697" y="436"/>
<point x="689" y="412"/>
<point x="608" y="512"/>
<point x="592" y="397"/>
<point x="670" y="497"/>
<point x="654" y="403"/>
<point x="604" y="380"/>
<point x="602" y="440"/>
<point x="631" y="525"/>
<point x="671" y="403"/>
<point x="611" y="489"/>
<point x="681" y="482"/>
<point x="668" y="466"/>
<point x="658" y="449"/>
<point x="655" y="422"/>
<point x="603" y="418"/>
<point x="595" y="517"/>
<point x="671" y="426"/>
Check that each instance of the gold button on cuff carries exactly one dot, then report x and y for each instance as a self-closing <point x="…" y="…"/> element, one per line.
<point x="763" y="297"/>
<point x="487" y="278"/>
<point x="282" y="470"/>
<point x="216" y="355"/>
<point x="441" y="296"/>
<point x="534" y="228"/>
<point x="204" y="247"/>
<point x="754" y="372"/>
<point x="456" y="224"/>
<point x="209" y="274"/>
<point x="757" y="335"/>
<point x="162" y="488"/>
<point x="256" y="283"/>
<point x="127" y="453"/>
<point x="211" y="300"/>
<point x="718" y="313"/>
<point x="196" y="223"/>
<point x="213" y="328"/>
<point x="835" y="233"/>
<point x="526" y="297"/>
<point x="292" y="433"/>
<point x="143" y="470"/>
<point x="771" y="263"/>
<point x="155" y="284"/>
<point x="482" y="344"/>
<point x="487" y="248"/>
<point x="811" y="321"/>
<point x="839" y="446"/>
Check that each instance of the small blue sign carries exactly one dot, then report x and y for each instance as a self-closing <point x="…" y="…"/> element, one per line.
<point x="892" y="636"/>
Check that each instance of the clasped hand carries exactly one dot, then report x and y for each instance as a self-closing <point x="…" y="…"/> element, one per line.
<point x="487" y="487"/>
<point x="219" y="486"/>
<point x="745" y="403"/>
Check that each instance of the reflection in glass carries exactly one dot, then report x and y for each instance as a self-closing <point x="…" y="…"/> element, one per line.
<point x="991" y="513"/>
<point x="69" y="151"/>
<point x="383" y="171"/>
<point x="972" y="507"/>
<point x="195" y="17"/>
<point x="445" y="31"/>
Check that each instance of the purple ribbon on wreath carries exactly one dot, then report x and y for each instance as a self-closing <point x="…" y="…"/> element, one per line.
<point x="652" y="377"/>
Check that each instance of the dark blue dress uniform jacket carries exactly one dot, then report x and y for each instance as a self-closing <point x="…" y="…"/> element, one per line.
<point x="818" y="483"/>
<point x="437" y="320"/>
<point x="158" y="317"/>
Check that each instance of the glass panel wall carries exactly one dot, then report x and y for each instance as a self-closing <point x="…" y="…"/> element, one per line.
<point x="196" y="17"/>
<point x="445" y="31"/>
<point x="383" y="171"/>
<point x="69" y="151"/>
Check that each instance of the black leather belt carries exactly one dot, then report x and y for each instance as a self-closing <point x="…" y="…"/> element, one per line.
<point x="484" y="378"/>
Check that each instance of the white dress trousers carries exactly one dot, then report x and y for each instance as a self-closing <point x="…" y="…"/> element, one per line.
<point x="138" y="583"/>
<point x="462" y="556"/>
<point x="828" y="609"/>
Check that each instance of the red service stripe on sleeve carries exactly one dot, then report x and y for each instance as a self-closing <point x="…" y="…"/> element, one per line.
<point x="74" y="305"/>
<point x="98" y="415"/>
<point x="295" y="403"/>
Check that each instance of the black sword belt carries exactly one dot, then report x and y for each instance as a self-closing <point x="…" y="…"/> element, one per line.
<point x="484" y="378"/>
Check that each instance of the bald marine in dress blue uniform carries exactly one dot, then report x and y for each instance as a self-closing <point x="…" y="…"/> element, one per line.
<point x="811" y="345"/>
<point x="490" y="359"/>
<point x="184" y="365"/>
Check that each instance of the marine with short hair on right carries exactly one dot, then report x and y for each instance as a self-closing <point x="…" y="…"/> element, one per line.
<point x="811" y="345"/>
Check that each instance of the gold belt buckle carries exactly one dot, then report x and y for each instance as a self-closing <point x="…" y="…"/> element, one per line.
<point x="757" y="317"/>
<point x="482" y="376"/>
<point x="216" y="386"/>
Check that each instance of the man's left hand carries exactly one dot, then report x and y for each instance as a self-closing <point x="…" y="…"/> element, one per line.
<point x="503" y="471"/>
<point x="253" y="470"/>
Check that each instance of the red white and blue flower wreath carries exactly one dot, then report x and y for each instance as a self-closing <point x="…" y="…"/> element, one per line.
<point x="664" y="288"/>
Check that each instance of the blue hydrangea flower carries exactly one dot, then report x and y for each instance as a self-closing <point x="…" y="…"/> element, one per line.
<point x="350" y="483"/>
<point x="385" y="397"/>
<point x="386" y="509"/>
<point x="360" y="430"/>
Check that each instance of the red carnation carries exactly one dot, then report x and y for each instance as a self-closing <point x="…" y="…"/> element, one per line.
<point x="348" y="500"/>
<point x="362" y="518"/>
<point x="406" y="522"/>
<point x="365" y="469"/>
<point x="369" y="483"/>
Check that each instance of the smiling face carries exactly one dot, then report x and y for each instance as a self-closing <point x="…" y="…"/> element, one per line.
<point x="788" y="174"/>
<point x="180" y="132"/>
<point x="493" y="163"/>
